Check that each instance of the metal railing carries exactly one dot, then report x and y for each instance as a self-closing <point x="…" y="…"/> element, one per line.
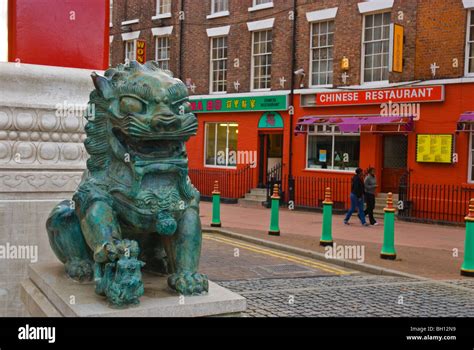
<point x="447" y="204"/>
<point x="274" y="177"/>
<point x="233" y="184"/>
<point x="309" y="192"/>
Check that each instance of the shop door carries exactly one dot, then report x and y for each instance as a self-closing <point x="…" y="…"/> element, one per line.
<point x="394" y="161"/>
<point x="270" y="157"/>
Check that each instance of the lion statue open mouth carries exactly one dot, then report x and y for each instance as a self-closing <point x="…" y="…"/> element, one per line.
<point x="135" y="201"/>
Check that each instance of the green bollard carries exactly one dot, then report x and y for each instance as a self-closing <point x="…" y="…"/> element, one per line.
<point x="216" y="206"/>
<point x="467" y="268"/>
<point x="326" y="234"/>
<point x="388" y="249"/>
<point x="274" y="226"/>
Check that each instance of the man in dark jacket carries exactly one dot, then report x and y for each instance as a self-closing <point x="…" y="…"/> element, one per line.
<point x="357" y="198"/>
<point x="370" y="186"/>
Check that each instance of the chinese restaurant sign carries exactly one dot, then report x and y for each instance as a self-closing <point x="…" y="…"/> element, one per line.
<point x="397" y="48"/>
<point x="434" y="148"/>
<point x="270" y="120"/>
<point x="240" y="104"/>
<point x="369" y="97"/>
<point x="141" y="51"/>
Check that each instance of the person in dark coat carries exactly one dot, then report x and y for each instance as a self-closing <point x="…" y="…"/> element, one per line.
<point x="357" y="198"/>
<point x="370" y="184"/>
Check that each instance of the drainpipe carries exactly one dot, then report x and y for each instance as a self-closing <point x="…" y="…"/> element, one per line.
<point x="181" y="45"/>
<point x="291" y="187"/>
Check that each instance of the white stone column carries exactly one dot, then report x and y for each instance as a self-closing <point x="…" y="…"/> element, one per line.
<point x="42" y="158"/>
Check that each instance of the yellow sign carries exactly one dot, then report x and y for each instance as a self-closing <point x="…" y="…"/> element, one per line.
<point x="141" y="51"/>
<point x="434" y="148"/>
<point x="397" y="63"/>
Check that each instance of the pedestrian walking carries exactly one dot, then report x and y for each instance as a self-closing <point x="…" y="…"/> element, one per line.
<point x="370" y="184"/>
<point x="357" y="198"/>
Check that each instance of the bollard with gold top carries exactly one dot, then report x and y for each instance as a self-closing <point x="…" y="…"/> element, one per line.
<point x="274" y="220"/>
<point x="326" y="234"/>
<point x="216" y="206"/>
<point x="388" y="248"/>
<point x="467" y="268"/>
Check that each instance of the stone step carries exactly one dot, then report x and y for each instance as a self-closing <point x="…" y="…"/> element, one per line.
<point x="248" y="203"/>
<point x="255" y="197"/>
<point x="259" y="191"/>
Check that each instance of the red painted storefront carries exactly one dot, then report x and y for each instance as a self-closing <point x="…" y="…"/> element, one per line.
<point x="435" y="118"/>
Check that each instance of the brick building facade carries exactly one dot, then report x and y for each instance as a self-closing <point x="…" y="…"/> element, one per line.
<point x="238" y="59"/>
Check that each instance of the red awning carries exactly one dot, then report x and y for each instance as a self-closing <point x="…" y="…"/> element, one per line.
<point x="354" y="124"/>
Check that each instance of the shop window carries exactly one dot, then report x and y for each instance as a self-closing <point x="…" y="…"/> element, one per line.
<point x="322" y="44"/>
<point x="219" y="64"/>
<point x="330" y="149"/>
<point x="162" y="51"/>
<point x="376" y="47"/>
<point x="219" y="6"/>
<point x="470" y="44"/>
<point x="221" y="144"/>
<point x="130" y="50"/>
<point x="261" y="60"/>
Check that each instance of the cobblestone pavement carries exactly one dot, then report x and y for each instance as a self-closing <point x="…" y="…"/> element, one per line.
<point x="278" y="284"/>
<point x="353" y="296"/>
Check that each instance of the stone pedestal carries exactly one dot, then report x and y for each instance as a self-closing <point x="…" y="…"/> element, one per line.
<point x="42" y="158"/>
<point x="49" y="292"/>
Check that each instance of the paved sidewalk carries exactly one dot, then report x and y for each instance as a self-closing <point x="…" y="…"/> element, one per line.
<point x="424" y="250"/>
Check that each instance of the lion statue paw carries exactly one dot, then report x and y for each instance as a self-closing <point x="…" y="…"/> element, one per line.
<point x="188" y="283"/>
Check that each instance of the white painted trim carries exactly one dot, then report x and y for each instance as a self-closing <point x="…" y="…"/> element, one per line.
<point x="374" y="5"/>
<point x="111" y="38"/>
<point x="130" y="36"/>
<point x="245" y="94"/>
<point x="466" y="47"/>
<point x="464" y="80"/>
<point x="218" y="31"/>
<point x="321" y="15"/>
<point x="162" y="31"/>
<point x="310" y="77"/>
<point x="161" y="16"/>
<point x="211" y="82"/>
<point x="132" y="21"/>
<point x="267" y="5"/>
<point x="218" y="14"/>
<point x="468" y="4"/>
<point x="261" y="25"/>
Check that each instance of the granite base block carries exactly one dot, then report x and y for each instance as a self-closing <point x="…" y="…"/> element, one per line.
<point x="49" y="292"/>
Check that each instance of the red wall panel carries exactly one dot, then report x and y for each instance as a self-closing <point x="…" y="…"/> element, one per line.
<point x="67" y="33"/>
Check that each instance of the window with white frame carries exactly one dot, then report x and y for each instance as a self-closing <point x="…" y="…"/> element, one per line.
<point x="162" y="51"/>
<point x="328" y="148"/>
<point x="322" y="45"/>
<point x="221" y="144"/>
<point x="261" y="60"/>
<point x="219" y="6"/>
<point x="219" y="64"/>
<point x="470" y="44"/>
<point x="261" y="2"/>
<point x="376" y="47"/>
<point x="130" y="50"/>
<point x="163" y="7"/>
<point x="111" y="10"/>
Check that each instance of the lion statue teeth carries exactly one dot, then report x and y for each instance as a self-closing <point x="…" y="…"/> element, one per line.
<point x="135" y="206"/>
